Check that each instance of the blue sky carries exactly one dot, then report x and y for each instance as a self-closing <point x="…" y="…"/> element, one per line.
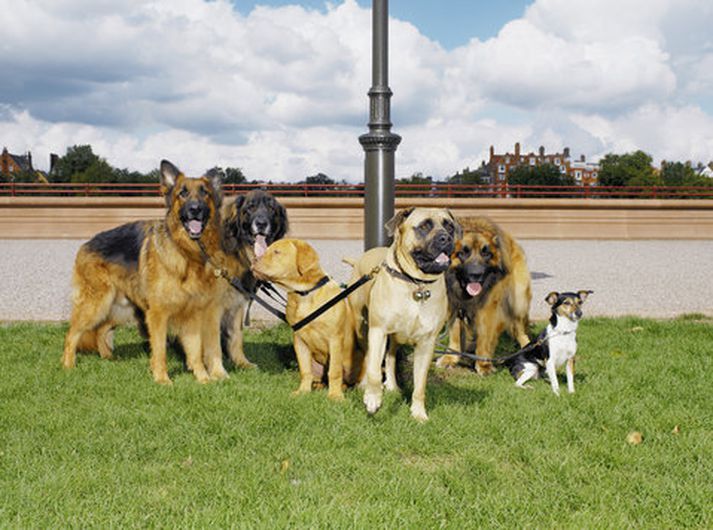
<point x="452" y="22"/>
<point x="278" y="88"/>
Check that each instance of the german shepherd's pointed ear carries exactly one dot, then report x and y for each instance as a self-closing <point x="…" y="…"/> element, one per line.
<point x="583" y="295"/>
<point x="392" y="225"/>
<point x="552" y="298"/>
<point x="168" y="176"/>
<point x="216" y="182"/>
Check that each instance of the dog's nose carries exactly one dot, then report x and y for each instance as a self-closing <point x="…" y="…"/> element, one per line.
<point x="260" y="225"/>
<point x="578" y="313"/>
<point x="194" y="209"/>
<point x="443" y="238"/>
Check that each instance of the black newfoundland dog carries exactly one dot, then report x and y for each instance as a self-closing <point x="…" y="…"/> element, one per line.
<point x="250" y="224"/>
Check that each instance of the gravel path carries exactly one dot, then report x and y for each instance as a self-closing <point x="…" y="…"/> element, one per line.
<point x="646" y="278"/>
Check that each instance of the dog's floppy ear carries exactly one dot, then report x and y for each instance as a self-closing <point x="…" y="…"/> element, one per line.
<point x="307" y="258"/>
<point x="281" y="223"/>
<point x="583" y="295"/>
<point x="392" y="225"/>
<point x="168" y="176"/>
<point x="552" y="298"/>
<point x="458" y="234"/>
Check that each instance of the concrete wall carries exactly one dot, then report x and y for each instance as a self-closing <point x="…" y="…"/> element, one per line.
<point x="342" y="218"/>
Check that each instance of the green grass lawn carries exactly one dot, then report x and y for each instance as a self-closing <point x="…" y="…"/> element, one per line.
<point x="103" y="445"/>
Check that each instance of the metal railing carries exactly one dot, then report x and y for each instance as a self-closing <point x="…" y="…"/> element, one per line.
<point x="434" y="190"/>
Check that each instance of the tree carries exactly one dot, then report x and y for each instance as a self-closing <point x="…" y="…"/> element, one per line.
<point x="540" y="175"/>
<point x="234" y="175"/>
<point x="679" y="174"/>
<point x="630" y="169"/>
<point x="319" y="178"/>
<point x="98" y="171"/>
<point x="77" y="160"/>
<point x="470" y="176"/>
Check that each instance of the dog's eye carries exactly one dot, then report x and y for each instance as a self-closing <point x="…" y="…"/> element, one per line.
<point x="425" y="227"/>
<point x="202" y="191"/>
<point x="449" y="227"/>
<point x="464" y="253"/>
<point x="184" y="192"/>
<point x="485" y="251"/>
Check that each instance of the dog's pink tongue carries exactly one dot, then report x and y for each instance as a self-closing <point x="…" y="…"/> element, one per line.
<point x="260" y="246"/>
<point x="442" y="258"/>
<point x="195" y="227"/>
<point x="474" y="288"/>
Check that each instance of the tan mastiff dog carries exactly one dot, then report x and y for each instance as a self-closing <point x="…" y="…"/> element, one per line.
<point x="406" y="301"/>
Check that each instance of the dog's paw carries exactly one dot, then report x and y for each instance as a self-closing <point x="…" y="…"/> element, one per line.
<point x="391" y="386"/>
<point x="303" y="389"/>
<point x="372" y="401"/>
<point x="447" y="361"/>
<point x="163" y="380"/>
<point x="336" y="395"/>
<point x="484" y="368"/>
<point x="244" y="364"/>
<point x="526" y="387"/>
<point x="418" y="412"/>
<point x="219" y="374"/>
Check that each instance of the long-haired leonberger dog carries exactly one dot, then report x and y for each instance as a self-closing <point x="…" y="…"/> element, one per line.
<point x="489" y="291"/>
<point x="250" y="224"/>
<point x="159" y="268"/>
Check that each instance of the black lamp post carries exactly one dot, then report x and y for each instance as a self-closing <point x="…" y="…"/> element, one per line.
<point x="379" y="143"/>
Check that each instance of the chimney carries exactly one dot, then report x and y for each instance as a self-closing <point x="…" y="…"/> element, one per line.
<point x="54" y="158"/>
<point x="566" y="152"/>
<point x="492" y="152"/>
<point x="517" y="149"/>
<point x="29" y="161"/>
<point x="582" y="158"/>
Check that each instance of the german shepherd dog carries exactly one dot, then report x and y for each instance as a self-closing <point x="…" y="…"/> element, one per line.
<point x="488" y="291"/>
<point x="159" y="268"/>
<point x="250" y="224"/>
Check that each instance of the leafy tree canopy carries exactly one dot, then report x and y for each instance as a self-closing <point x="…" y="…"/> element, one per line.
<point x="540" y="175"/>
<point x="77" y="160"/>
<point x="629" y="169"/>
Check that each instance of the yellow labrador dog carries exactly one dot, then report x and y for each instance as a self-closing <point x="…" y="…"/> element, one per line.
<point x="406" y="302"/>
<point x="328" y="340"/>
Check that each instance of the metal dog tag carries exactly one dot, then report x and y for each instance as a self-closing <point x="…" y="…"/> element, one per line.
<point x="421" y="295"/>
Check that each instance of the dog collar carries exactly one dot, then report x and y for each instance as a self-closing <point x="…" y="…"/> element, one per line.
<point x="319" y="284"/>
<point x="421" y="294"/>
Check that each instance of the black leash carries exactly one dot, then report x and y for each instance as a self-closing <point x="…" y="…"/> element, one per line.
<point x="238" y="285"/>
<point x="495" y="360"/>
<point x="332" y="301"/>
<point x="270" y="290"/>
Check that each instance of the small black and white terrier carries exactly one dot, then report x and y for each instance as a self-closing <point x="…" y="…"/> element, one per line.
<point x="555" y="346"/>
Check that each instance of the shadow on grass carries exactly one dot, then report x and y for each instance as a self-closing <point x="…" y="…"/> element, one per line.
<point x="271" y="357"/>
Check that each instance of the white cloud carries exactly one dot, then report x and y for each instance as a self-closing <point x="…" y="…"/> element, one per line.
<point x="281" y="92"/>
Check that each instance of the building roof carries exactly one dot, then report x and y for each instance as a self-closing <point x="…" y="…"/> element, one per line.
<point x="24" y="162"/>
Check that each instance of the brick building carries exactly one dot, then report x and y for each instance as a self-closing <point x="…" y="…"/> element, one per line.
<point x="499" y="165"/>
<point x="10" y="163"/>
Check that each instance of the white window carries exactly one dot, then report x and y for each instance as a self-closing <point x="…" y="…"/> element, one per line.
<point x="578" y="175"/>
<point x="594" y="175"/>
<point x="507" y="159"/>
<point x="557" y="161"/>
<point x="501" y="168"/>
<point x="532" y="160"/>
<point x="563" y="169"/>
